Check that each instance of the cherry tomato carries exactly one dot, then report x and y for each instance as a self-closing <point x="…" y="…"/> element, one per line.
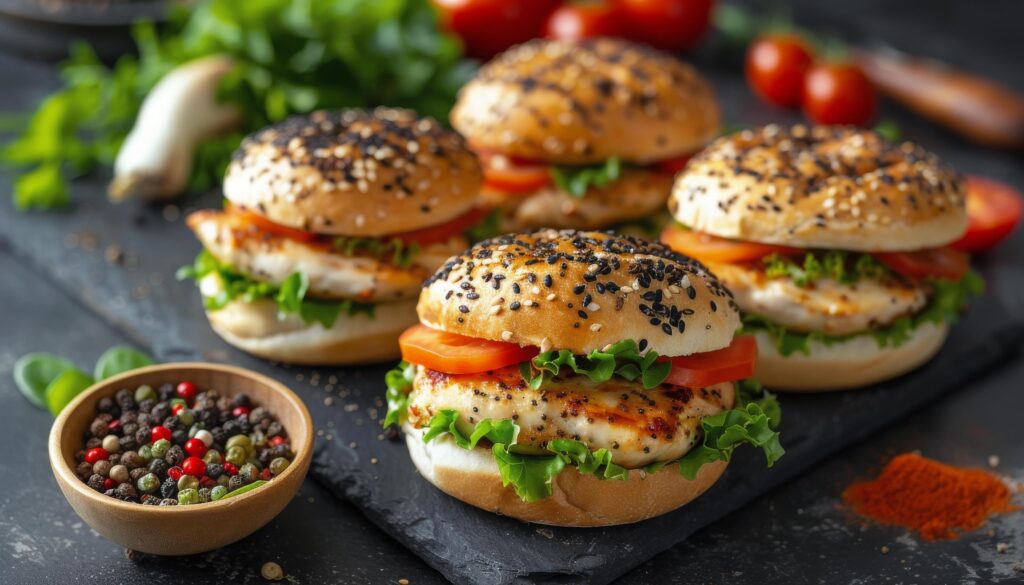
<point x="944" y="263"/>
<point x="673" y="166"/>
<point x="672" y="25"/>
<point x="838" y="93"/>
<point x="775" y="68"/>
<point x="488" y="27"/>
<point x="458" y="354"/>
<point x="444" y="231"/>
<point x="993" y="210"/>
<point x="701" y="370"/>
<point x="574" y="22"/>
<point x="708" y="248"/>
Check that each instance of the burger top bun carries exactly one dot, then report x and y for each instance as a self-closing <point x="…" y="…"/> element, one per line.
<point x="578" y="103"/>
<point x="821" y="187"/>
<point x="580" y="291"/>
<point x="355" y="173"/>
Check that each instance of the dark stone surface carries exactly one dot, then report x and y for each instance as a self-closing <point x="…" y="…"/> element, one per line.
<point x="60" y="294"/>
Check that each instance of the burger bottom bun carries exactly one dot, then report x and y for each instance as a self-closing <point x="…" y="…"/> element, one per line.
<point x="856" y="362"/>
<point x="637" y="194"/>
<point x="255" y="328"/>
<point x="577" y="500"/>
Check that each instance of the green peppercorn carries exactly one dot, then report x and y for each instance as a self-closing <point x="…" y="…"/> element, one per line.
<point x="186" y="416"/>
<point x="236" y="455"/>
<point x="218" y="492"/>
<point x="144" y="392"/>
<point x="204" y="495"/>
<point x="189" y="496"/>
<point x="223" y="480"/>
<point x="249" y="472"/>
<point x="259" y="438"/>
<point x="159" y="449"/>
<point x="192" y="430"/>
<point x="242" y="441"/>
<point x="187" y="482"/>
<point x="278" y="465"/>
<point x="146" y="452"/>
<point x="148" y="483"/>
<point x="212" y="456"/>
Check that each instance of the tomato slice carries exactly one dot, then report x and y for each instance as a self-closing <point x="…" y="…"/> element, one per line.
<point x="442" y="232"/>
<point x="252" y="218"/>
<point x="512" y="175"/>
<point x="993" y="210"/>
<point x="701" y="370"/>
<point x="452" y="353"/>
<point x="710" y="248"/>
<point x="673" y="166"/>
<point x="944" y="263"/>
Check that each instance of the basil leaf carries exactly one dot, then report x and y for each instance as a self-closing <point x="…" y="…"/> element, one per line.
<point x="399" y="384"/>
<point x="65" y="388"/>
<point x="576" y="181"/>
<point x="119" y="359"/>
<point x="35" y="371"/>
<point x="621" y="359"/>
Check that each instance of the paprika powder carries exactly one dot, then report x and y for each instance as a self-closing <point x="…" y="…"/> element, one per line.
<point x="936" y="500"/>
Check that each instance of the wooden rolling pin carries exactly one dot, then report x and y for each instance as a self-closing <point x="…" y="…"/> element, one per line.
<point x="978" y="109"/>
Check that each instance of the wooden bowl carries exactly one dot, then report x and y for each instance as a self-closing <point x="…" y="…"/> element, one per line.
<point x="182" y="530"/>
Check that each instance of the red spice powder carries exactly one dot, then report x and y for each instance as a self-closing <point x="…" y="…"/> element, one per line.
<point x="933" y="499"/>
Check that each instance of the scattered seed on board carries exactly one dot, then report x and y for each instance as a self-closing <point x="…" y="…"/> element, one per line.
<point x="272" y="571"/>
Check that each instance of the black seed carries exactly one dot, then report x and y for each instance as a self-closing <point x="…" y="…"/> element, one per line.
<point x="515" y="305"/>
<point x="463" y="309"/>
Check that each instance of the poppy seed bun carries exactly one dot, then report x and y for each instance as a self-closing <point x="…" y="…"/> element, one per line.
<point x="254" y="327"/>
<point x="821" y="187"/>
<point x="472" y="476"/>
<point x="580" y="103"/>
<point x="355" y="173"/>
<point x="853" y="363"/>
<point x="580" y="291"/>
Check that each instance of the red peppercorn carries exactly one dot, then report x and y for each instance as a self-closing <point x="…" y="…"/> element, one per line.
<point x="114" y="424"/>
<point x="109" y="484"/>
<point x="194" y="466"/>
<point x="195" y="447"/>
<point x="159" y="432"/>
<point x="231" y="468"/>
<point x="187" y="390"/>
<point x="239" y="411"/>
<point x="178" y="407"/>
<point x="265" y="474"/>
<point x="175" y="473"/>
<point x="96" y="454"/>
<point x="276" y="440"/>
<point x="206" y="482"/>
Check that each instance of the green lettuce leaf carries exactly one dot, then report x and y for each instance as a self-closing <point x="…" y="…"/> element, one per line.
<point x="621" y="359"/>
<point x="290" y="296"/>
<point x="502" y="431"/>
<point x="399" y="384"/>
<point x="834" y="264"/>
<point x="947" y="299"/>
<point x="576" y="181"/>
<point x="392" y="250"/>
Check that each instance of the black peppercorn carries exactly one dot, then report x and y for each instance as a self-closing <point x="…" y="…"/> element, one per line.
<point x="169" y="488"/>
<point x="150" y="500"/>
<point x="242" y="399"/>
<point x="179" y="436"/>
<point x="161" y="411"/>
<point x="234" y="483"/>
<point x="107" y="405"/>
<point x="274" y="428"/>
<point x="147" y="405"/>
<point x="93" y="442"/>
<point x="98" y="428"/>
<point x="158" y="466"/>
<point x="168" y="502"/>
<point x="165" y="391"/>
<point x="126" y="491"/>
<point x="214" y="470"/>
<point x="84" y="471"/>
<point x="96" y="482"/>
<point x="128" y="443"/>
<point x="175" y="455"/>
<point x="129" y="429"/>
<point x="143" y="435"/>
<point x="136" y="473"/>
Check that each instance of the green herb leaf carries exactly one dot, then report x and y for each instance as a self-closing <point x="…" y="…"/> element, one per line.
<point x="947" y="299"/>
<point x="445" y="421"/>
<point x="65" y="388"/>
<point x="833" y="264"/>
<point x="290" y="296"/>
<point x="245" y="488"/>
<point x="119" y="359"/>
<point x="889" y="130"/>
<point x="399" y="383"/>
<point x="34" y="372"/>
<point x="487" y="228"/>
<point x="576" y="181"/>
<point x="622" y="359"/>
<point x="392" y="250"/>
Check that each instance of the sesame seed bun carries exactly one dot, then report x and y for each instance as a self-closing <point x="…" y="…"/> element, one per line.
<point x="580" y="103"/>
<point x="355" y="173"/>
<point x="853" y="363"/>
<point x="637" y="194"/>
<point x="821" y="187"/>
<point x="577" y="500"/>
<point x="254" y="327"/>
<point x="580" y="291"/>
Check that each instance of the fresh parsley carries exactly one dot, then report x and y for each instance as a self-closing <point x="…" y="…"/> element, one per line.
<point x="293" y="57"/>
<point x="392" y="250"/>
<point x="947" y="299"/>
<point x="576" y="181"/>
<point x="622" y="359"/>
<point x="289" y="296"/>
<point x="833" y="264"/>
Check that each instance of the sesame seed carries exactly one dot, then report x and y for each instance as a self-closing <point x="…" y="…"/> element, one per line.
<point x="506" y="335"/>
